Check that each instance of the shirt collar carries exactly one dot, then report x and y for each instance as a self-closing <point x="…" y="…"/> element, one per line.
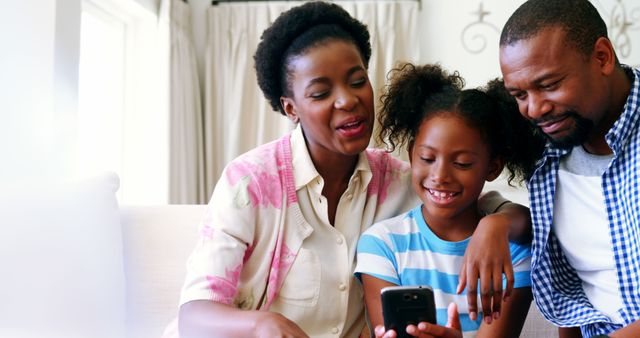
<point x="626" y="124"/>
<point x="305" y="173"/>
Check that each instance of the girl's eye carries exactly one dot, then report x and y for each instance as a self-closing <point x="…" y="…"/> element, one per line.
<point x="359" y="82"/>
<point x="427" y="159"/>
<point x="463" y="165"/>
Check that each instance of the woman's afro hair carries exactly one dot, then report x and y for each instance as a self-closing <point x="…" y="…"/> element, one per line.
<point x="274" y="47"/>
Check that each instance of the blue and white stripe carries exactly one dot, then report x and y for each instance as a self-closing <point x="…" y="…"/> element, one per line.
<point x="404" y="251"/>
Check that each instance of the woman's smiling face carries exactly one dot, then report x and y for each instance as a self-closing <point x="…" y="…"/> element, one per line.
<point x="332" y="99"/>
<point x="450" y="162"/>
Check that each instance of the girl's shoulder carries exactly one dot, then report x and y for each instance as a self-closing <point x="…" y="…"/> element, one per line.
<point x="401" y="224"/>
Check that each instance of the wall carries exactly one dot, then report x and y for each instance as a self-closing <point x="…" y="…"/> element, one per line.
<point x="38" y="87"/>
<point x="464" y="34"/>
<point x="26" y="86"/>
<point x="151" y="5"/>
<point x="40" y="40"/>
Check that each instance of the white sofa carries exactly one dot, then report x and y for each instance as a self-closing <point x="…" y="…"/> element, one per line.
<point x="74" y="264"/>
<point x="155" y="266"/>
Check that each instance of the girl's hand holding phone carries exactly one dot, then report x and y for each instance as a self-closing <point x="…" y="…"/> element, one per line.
<point x="428" y="330"/>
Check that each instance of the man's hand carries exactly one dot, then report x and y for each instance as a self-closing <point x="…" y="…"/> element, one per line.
<point x="486" y="259"/>
<point x="631" y="330"/>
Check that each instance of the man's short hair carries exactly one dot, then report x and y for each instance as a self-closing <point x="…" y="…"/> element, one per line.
<point x="578" y="18"/>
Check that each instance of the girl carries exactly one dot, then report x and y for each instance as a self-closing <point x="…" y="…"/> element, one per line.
<point x="277" y="244"/>
<point x="457" y="139"/>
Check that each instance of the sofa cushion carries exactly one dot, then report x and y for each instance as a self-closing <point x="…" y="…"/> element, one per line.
<point x="536" y="326"/>
<point x="61" y="261"/>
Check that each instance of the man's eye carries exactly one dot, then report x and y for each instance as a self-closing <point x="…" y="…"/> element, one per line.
<point x="520" y="95"/>
<point x="549" y="86"/>
<point x="427" y="159"/>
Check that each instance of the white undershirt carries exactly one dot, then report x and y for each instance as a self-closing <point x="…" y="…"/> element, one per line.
<point x="582" y="228"/>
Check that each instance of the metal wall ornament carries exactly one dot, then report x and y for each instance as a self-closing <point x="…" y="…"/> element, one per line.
<point x="474" y="36"/>
<point x="621" y="21"/>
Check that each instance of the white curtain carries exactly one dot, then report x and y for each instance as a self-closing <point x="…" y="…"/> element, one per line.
<point x="186" y="152"/>
<point x="237" y="118"/>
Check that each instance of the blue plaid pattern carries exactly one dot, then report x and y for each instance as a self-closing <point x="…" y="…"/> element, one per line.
<point x="556" y="286"/>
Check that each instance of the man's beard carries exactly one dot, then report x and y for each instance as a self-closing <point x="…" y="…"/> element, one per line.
<point x="577" y="137"/>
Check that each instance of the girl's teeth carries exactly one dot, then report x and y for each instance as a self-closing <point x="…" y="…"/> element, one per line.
<point x="441" y="194"/>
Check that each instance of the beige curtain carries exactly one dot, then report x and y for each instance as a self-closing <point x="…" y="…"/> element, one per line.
<point x="186" y="152"/>
<point x="237" y="118"/>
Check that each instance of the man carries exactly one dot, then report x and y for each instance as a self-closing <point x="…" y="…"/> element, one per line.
<point x="562" y="70"/>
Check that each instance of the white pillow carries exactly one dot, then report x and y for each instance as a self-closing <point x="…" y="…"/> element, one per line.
<point x="61" y="262"/>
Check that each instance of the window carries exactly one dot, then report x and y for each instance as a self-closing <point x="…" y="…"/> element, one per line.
<point x="122" y="106"/>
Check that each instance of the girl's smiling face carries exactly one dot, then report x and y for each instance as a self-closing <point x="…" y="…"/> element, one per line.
<point x="332" y="99"/>
<point x="450" y="161"/>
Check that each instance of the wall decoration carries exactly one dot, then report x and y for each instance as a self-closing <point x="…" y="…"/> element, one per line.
<point x="623" y="24"/>
<point x="474" y="36"/>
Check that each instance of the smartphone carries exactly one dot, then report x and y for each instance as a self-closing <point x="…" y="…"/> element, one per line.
<point x="405" y="305"/>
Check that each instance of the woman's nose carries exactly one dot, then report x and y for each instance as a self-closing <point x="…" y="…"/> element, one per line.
<point x="346" y="100"/>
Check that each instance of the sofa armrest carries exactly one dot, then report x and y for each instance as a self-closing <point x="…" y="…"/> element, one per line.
<point x="157" y="241"/>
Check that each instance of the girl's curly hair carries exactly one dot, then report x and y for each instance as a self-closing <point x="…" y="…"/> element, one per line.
<point x="417" y="93"/>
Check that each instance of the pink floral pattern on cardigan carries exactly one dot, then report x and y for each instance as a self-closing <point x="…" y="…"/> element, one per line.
<point x="380" y="181"/>
<point x="283" y="258"/>
<point x="265" y="184"/>
<point x="224" y="288"/>
<point x="259" y="186"/>
<point x="206" y="232"/>
<point x="265" y="179"/>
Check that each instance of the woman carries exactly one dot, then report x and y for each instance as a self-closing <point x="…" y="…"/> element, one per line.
<point x="282" y="225"/>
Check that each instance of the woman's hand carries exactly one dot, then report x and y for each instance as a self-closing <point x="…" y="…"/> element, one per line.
<point x="428" y="330"/>
<point x="274" y="325"/>
<point x="487" y="257"/>
<point x="195" y="321"/>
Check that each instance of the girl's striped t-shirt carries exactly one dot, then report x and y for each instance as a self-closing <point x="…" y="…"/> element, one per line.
<point x="404" y="251"/>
